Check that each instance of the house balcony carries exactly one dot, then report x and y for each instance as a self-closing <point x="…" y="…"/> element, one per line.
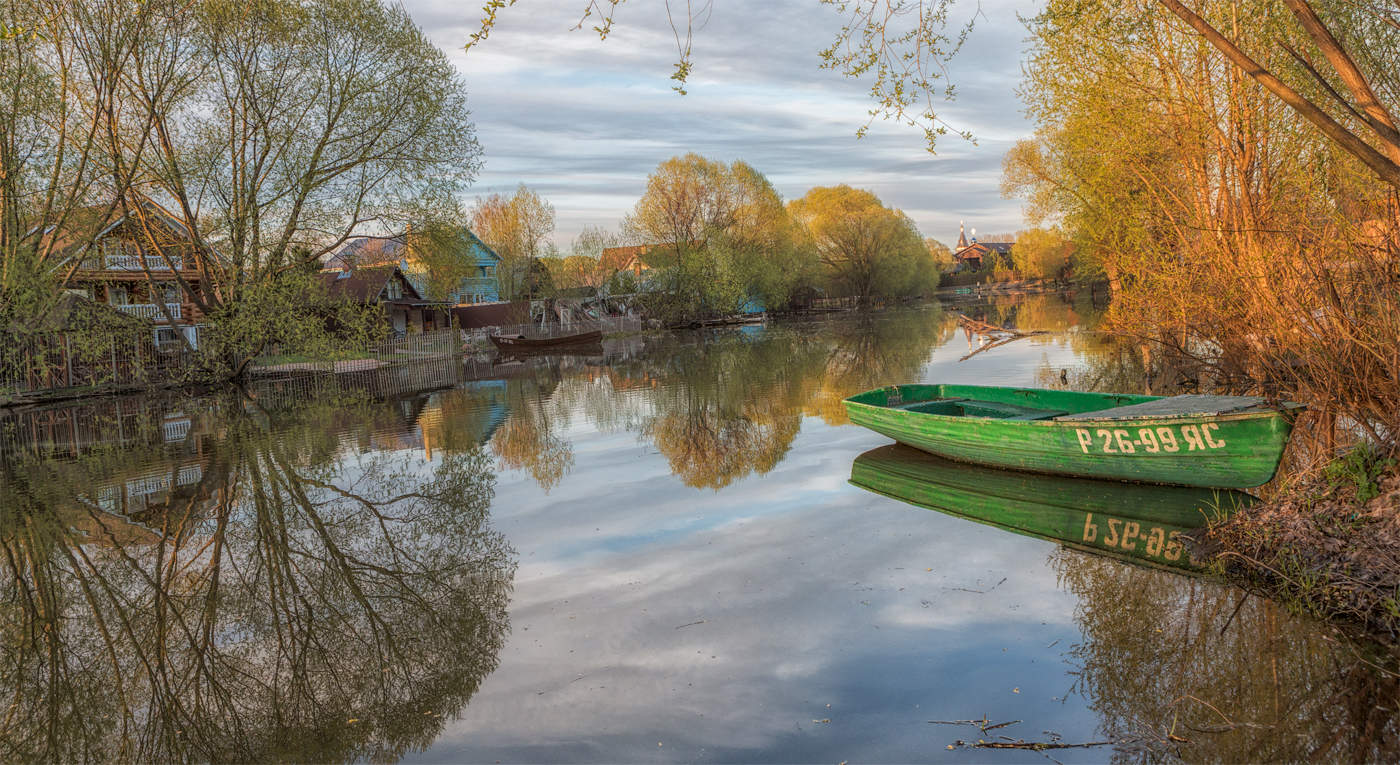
<point x="484" y="286"/>
<point x="137" y="263"/>
<point x="150" y="311"/>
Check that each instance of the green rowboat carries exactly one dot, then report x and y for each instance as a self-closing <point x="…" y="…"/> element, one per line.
<point x="1195" y="440"/>
<point x="1135" y="522"/>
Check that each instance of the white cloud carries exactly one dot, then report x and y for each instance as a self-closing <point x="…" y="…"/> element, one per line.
<point x="584" y="121"/>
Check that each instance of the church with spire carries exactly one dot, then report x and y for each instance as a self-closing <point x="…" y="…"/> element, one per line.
<point x="971" y="254"/>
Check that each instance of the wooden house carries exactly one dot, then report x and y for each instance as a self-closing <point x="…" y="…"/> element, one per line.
<point x="405" y="308"/>
<point x="971" y="254"/>
<point x="481" y="285"/>
<point x="139" y="259"/>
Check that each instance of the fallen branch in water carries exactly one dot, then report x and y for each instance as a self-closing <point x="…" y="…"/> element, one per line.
<point x="984" y="724"/>
<point x="998" y="335"/>
<point x="1036" y="746"/>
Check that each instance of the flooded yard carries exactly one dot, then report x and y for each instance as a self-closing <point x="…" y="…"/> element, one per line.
<point x="652" y="555"/>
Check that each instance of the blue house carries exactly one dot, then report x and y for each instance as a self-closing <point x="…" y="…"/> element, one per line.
<point x="481" y="285"/>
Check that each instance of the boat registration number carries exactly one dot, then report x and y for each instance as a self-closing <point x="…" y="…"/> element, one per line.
<point x="1131" y="536"/>
<point x="1150" y="440"/>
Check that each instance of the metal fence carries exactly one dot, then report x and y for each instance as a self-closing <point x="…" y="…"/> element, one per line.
<point x="606" y="324"/>
<point x="54" y="361"/>
<point x="421" y="346"/>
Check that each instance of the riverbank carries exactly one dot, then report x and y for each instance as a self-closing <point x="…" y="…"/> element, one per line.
<point x="1327" y="545"/>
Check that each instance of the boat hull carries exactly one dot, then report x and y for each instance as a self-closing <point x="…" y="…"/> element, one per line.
<point x="1215" y="451"/>
<point x="1136" y="522"/>
<point x="507" y="343"/>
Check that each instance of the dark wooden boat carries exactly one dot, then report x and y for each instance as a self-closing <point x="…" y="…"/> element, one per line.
<point x="515" y="343"/>
<point x="1137" y="522"/>
<point x="1209" y="441"/>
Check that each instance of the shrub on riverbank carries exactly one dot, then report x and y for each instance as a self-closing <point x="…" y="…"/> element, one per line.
<point x="1328" y="545"/>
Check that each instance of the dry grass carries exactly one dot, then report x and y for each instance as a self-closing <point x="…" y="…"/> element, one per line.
<point x="1328" y="545"/>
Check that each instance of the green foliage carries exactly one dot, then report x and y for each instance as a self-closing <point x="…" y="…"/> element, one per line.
<point x="699" y="283"/>
<point x="291" y="314"/>
<point x="725" y="239"/>
<point x="1360" y="468"/>
<point x="865" y="249"/>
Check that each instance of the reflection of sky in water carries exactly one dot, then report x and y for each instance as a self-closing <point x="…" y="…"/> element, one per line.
<point x="652" y="621"/>
<point x="787" y="616"/>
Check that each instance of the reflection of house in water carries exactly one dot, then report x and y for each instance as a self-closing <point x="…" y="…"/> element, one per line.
<point x="468" y="414"/>
<point x="74" y="430"/>
<point x="119" y="465"/>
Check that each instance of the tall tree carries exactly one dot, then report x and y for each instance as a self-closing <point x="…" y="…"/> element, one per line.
<point x="271" y="131"/>
<point x="866" y="249"/>
<point x="1232" y="230"/>
<point x="518" y="228"/>
<point x="721" y="237"/>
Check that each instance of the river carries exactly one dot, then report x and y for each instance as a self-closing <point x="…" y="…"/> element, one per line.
<point x="650" y="556"/>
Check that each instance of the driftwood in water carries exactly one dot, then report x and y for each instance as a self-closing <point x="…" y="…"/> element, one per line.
<point x="997" y="335"/>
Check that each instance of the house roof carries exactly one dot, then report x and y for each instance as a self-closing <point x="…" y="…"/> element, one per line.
<point x="363" y="251"/>
<point x="364" y="285"/>
<point x="84" y="225"/>
<point x="980" y="250"/>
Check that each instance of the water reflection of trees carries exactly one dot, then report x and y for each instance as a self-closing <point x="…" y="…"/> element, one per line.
<point x="1237" y="681"/>
<point x="298" y="599"/>
<point x="874" y="350"/>
<point x="729" y="405"/>
<point x="530" y="437"/>
<point x="718" y="405"/>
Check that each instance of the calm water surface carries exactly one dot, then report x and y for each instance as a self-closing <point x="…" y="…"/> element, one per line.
<point x="650" y="556"/>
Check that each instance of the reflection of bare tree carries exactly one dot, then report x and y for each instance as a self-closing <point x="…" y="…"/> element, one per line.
<point x="1237" y="681"/>
<point x="304" y="604"/>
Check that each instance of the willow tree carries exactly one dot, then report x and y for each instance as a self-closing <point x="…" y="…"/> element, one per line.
<point x="1232" y="230"/>
<point x="867" y="250"/>
<point x="720" y="237"/>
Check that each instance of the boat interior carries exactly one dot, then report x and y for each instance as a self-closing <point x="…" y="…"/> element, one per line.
<point x="963" y="407"/>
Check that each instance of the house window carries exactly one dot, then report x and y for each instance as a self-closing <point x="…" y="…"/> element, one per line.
<point x="394" y="290"/>
<point x="117" y="295"/>
<point x="165" y="336"/>
<point x="488" y="271"/>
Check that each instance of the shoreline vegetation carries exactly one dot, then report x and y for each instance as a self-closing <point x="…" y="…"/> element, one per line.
<point x="1325" y="543"/>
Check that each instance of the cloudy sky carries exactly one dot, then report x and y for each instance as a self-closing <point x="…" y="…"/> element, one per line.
<point x="584" y="121"/>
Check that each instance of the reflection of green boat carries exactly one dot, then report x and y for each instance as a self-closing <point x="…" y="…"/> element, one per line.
<point x="1136" y="521"/>
<point x="1224" y="441"/>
